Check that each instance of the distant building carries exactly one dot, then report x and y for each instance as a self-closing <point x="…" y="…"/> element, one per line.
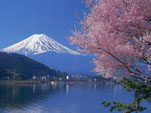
<point x="67" y="77"/>
<point x="43" y="79"/>
<point x="34" y="77"/>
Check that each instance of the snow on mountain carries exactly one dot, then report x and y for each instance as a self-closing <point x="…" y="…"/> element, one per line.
<point x="37" y="44"/>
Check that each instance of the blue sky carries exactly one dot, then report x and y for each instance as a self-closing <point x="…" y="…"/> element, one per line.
<point x="20" y="19"/>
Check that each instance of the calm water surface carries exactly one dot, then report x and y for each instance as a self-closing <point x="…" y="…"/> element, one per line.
<point x="46" y="98"/>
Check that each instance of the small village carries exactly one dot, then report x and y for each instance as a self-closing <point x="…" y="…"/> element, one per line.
<point x="87" y="79"/>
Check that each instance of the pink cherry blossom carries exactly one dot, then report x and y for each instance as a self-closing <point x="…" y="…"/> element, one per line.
<point x="118" y="32"/>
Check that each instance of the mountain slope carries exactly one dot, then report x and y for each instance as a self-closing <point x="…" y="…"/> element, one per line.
<point x="49" y="52"/>
<point x="37" y="44"/>
<point x="21" y="67"/>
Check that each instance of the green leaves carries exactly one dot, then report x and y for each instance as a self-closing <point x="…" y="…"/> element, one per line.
<point x="103" y="102"/>
<point x="114" y="105"/>
<point x="141" y="92"/>
<point x="106" y="104"/>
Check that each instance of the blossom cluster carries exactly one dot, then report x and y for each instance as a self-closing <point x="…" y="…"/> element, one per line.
<point x="118" y="32"/>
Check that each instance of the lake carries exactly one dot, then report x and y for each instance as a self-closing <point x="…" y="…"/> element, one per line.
<point x="67" y="98"/>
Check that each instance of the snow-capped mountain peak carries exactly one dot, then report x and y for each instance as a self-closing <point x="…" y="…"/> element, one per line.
<point x="37" y="44"/>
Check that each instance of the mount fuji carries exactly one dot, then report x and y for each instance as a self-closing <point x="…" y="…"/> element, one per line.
<point x="37" y="44"/>
<point x="51" y="53"/>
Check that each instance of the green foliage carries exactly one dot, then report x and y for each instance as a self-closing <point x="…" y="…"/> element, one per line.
<point x="141" y="92"/>
<point x="21" y="67"/>
<point x="3" y="72"/>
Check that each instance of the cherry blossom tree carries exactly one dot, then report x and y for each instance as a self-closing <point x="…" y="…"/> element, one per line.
<point x="118" y="32"/>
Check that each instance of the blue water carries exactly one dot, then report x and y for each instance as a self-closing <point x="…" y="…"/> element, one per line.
<point x="46" y="98"/>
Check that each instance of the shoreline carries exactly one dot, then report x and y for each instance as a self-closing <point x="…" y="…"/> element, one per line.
<point x="19" y="82"/>
<point x="29" y="82"/>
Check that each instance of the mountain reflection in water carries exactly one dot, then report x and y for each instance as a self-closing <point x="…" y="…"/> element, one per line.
<point x="46" y="98"/>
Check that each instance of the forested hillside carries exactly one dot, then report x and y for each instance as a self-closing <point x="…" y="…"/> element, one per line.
<point x="21" y="67"/>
